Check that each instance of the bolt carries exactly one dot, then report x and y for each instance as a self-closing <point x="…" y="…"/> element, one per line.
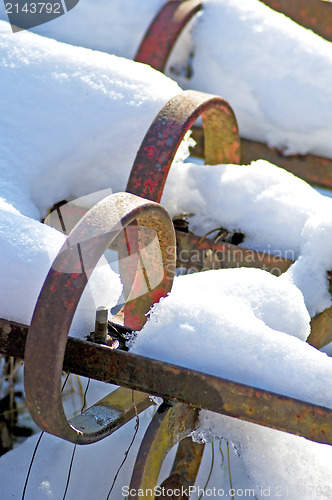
<point x="100" y="335"/>
<point x="101" y="326"/>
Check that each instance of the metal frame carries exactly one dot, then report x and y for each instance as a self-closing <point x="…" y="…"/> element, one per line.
<point x="68" y="276"/>
<point x="123" y="217"/>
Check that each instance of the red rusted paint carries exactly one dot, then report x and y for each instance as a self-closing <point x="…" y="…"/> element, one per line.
<point x="164" y="30"/>
<point x="54" y="311"/>
<point x="161" y="142"/>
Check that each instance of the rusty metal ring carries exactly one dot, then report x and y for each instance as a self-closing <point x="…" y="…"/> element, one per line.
<point x="161" y="142"/>
<point x="59" y="297"/>
<point x="164" y="30"/>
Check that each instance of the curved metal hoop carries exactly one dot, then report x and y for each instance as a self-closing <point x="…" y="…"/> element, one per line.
<point x="161" y="142"/>
<point x="164" y="30"/>
<point x="61" y="293"/>
<point x="169" y="426"/>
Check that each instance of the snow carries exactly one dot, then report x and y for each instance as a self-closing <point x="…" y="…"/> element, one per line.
<point x="240" y="324"/>
<point x="274" y="73"/>
<point x="278" y="465"/>
<point x="277" y="204"/>
<point x="309" y="271"/>
<point x="72" y="121"/>
<point x="93" y="112"/>
<point x="116" y="28"/>
<point x="277" y="212"/>
<point x="50" y="469"/>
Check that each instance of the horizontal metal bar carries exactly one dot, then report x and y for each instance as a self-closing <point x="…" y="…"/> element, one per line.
<point x="313" y="14"/>
<point x="200" y="254"/>
<point x="316" y="170"/>
<point x="188" y="386"/>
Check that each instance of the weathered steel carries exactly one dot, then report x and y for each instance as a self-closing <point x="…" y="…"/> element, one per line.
<point x="313" y="14"/>
<point x="161" y="142"/>
<point x="200" y="254"/>
<point x="315" y="170"/>
<point x="62" y="291"/>
<point x="164" y="30"/>
<point x="169" y="425"/>
<point x="198" y="389"/>
<point x="187" y="461"/>
<point x="321" y="325"/>
<point x="100" y="334"/>
<point x="110" y="413"/>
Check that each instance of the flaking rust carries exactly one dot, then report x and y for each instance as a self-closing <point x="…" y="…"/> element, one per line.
<point x="62" y="291"/>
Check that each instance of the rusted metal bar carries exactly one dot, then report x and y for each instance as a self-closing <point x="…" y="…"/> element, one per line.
<point x="183" y="474"/>
<point x="167" y="428"/>
<point x="200" y="254"/>
<point x="315" y="170"/>
<point x="321" y="325"/>
<point x="73" y="266"/>
<point x="313" y="14"/>
<point x="164" y="30"/>
<point x="155" y="156"/>
<point x="62" y="291"/>
<point x="187" y="460"/>
<point x="116" y="409"/>
<point x="110" y="413"/>
<point x="185" y="385"/>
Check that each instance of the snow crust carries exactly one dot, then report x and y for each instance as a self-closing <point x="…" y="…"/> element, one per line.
<point x="277" y="464"/>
